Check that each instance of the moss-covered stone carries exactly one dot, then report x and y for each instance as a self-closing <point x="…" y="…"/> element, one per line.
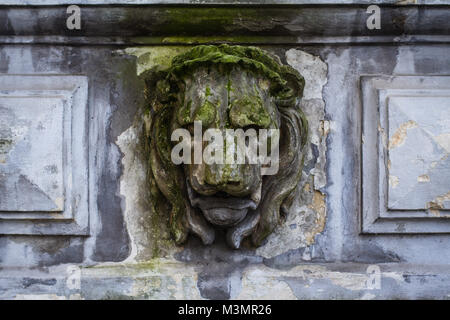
<point x="224" y="87"/>
<point x="206" y="113"/>
<point x="248" y="111"/>
<point x="248" y="58"/>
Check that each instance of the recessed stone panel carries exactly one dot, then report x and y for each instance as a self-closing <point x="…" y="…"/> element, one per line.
<point x="31" y="170"/>
<point x="43" y="154"/>
<point x="419" y="147"/>
<point x="405" y="154"/>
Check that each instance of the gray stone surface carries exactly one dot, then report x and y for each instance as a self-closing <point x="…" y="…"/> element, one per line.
<point x="128" y="253"/>
<point x="43" y="165"/>
<point x="419" y="149"/>
<point x="153" y="25"/>
<point x="234" y="2"/>
<point x="175" y="280"/>
<point x="410" y="142"/>
<point x="32" y="139"/>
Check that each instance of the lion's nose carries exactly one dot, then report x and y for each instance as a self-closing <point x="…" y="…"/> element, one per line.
<point x="216" y="175"/>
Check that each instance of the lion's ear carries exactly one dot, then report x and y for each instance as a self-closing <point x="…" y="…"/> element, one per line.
<point x="294" y="130"/>
<point x="168" y="177"/>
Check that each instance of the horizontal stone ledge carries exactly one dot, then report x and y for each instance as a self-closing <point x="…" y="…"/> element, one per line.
<point x="169" y="279"/>
<point x="182" y="22"/>
<point x="274" y="40"/>
<point x="218" y="2"/>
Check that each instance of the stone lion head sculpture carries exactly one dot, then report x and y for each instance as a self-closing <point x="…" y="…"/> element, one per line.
<point x="226" y="87"/>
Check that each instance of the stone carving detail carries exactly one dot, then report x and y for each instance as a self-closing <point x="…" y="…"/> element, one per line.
<point x="225" y="87"/>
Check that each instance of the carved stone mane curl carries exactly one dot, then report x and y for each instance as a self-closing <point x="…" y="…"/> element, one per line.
<point x="164" y="91"/>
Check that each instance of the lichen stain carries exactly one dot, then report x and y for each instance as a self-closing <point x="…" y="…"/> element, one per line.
<point x="398" y="138"/>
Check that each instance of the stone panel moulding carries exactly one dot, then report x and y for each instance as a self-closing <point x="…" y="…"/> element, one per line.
<point x="43" y="155"/>
<point x="405" y="154"/>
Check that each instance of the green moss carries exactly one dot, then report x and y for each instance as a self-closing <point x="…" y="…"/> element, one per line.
<point x="199" y="25"/>
<point x="220" y="177"/>
<point x="157" y="57"/>
<point x="184" y="114"/>
<point x="207" y="91"/>
<point x="206" y="113"/>
<point x="248" y="111"/>
<point x="204" y="20"/>
<point x="248" y="58"/>
<point x="153" y="264"/>
<point x="162" y="135"/>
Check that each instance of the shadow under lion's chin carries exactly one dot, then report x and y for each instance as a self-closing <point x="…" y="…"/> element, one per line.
<point x="238" y="215"/>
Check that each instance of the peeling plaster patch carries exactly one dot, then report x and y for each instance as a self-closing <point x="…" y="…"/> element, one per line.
<point x="307" y="209"/>
<point x="147" y="232"/>
<point x="59" y="201"/>
<point x="146" y="226"/>
<point x="151" y="57"/>
<point x="312" y="69"/>
<point x="435" y="212"/>
<point x="398" y="138"/>
<point x="438" y="202"/>
<point x="423" y="178"/>
<point x="133" y="177"/>
<point x="393" y="181"/>
<point x="319" y="206"/>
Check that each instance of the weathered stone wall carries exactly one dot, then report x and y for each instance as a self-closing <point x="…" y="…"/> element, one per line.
<point x="76" y="201"/>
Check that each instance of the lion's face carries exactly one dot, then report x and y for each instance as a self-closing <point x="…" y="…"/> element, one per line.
<point x="225" y="192"/>
<point x="226" y="87"/>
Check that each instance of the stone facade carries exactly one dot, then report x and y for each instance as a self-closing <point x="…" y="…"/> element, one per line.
<point x="367" y="220"/>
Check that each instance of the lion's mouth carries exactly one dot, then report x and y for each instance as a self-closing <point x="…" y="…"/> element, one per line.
<point x="221" y="208"/>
